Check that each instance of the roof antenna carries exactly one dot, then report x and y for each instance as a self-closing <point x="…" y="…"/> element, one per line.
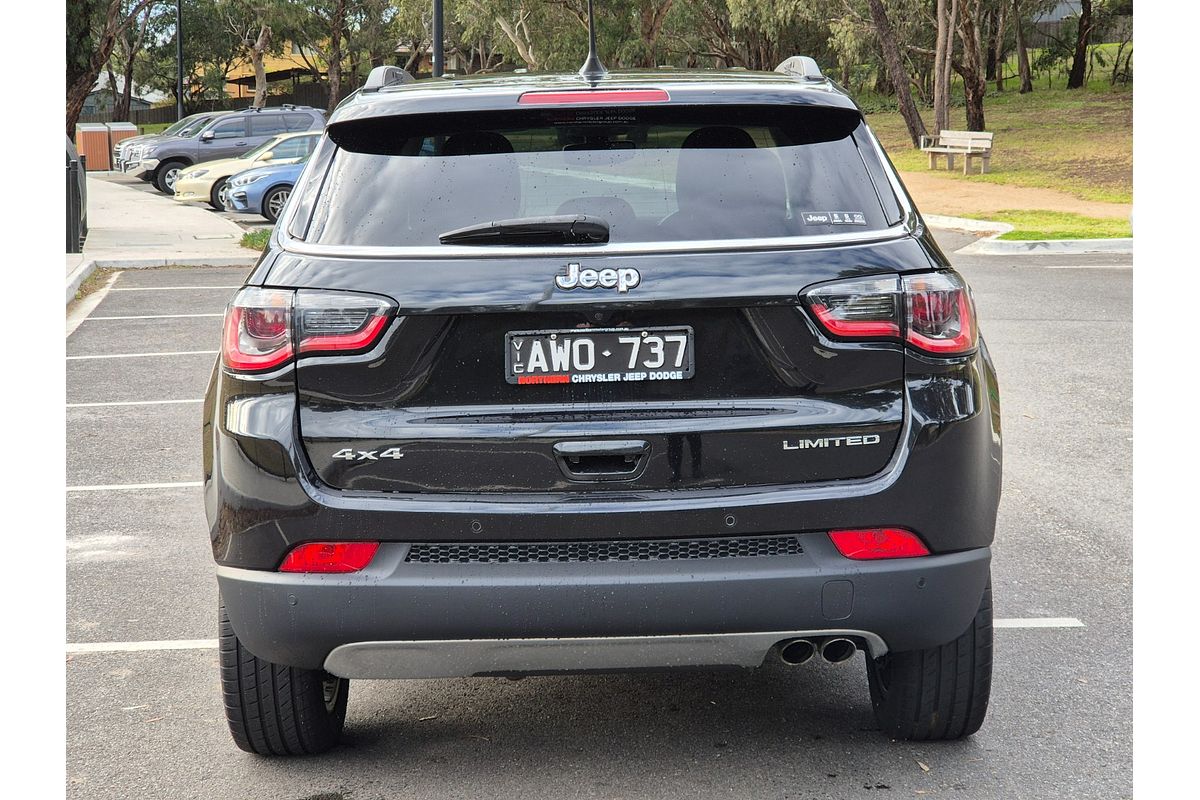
<point x="592" y="69"/>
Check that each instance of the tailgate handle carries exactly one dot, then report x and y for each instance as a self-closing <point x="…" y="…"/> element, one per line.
<point x="612" y="460"/>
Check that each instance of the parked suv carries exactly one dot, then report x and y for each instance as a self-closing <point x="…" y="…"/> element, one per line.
<point x="127" y="152"/>
<point x="228" y="136"/>
<point x="547" y="374"/>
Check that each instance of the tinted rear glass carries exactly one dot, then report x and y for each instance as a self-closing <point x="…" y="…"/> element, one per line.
<point x="654" y="174"/>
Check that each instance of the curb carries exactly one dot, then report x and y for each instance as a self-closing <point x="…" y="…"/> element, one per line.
<point x="990" y="246"/>
<point x="86" y="268"/>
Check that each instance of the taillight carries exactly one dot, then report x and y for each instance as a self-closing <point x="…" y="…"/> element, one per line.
<point x="941" y="317"/>
<point x="868" y="544"/>
<point x="932" y="312"/>
<point x="339" y="322"/>
<point x="329" y="557"/>
<point x="258" y="330"/>
<point x="265" y="328"/>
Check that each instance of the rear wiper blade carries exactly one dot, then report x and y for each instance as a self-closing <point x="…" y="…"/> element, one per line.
<point x="559" y="229"/>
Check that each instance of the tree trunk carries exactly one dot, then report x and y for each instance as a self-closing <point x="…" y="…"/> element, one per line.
<point x="1023" y="70"/>
<point x="653" y="13"/>
<point x="974" y="82"/>
<point x="1079" y="66"/>
<point x="947" y="13"/>
<point x="999" y="55"/>
<point x="336" y="27"/>
<point x="896" y="72"/>
<point x="257" y="51"/>
<point x="993" y="28"/>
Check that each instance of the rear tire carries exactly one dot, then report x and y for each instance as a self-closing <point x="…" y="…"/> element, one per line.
<point x="940" y="692"/>
<point x="275" y="710"/>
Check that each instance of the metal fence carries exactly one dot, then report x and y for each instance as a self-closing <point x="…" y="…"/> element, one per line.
<point x="305" y="94"/>
<point x="76" y="204"/>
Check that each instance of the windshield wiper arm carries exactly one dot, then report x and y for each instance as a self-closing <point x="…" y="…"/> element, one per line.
<point x="551" y="230"/>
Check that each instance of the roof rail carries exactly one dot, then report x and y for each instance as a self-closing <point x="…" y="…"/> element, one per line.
<point x="386" y="75"/>
<point x="801" y="67"/>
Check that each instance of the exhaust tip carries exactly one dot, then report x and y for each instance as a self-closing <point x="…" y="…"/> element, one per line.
<point x="797" y="651"/>
<point x="835" y="651"/>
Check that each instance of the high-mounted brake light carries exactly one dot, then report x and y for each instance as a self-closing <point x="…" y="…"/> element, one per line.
<point x="868" y="544"/>
<point x="266" y="328"/>
<point x="594" y="96"/>
<point x="329" y="557"/>
<point x="932" y="312"/>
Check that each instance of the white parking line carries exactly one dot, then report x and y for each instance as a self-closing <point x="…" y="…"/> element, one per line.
<point x="211" y="644"/>
<point x="1086" y="266"/>
<point x="147" y="355"/>
<point x="1037" y="622"/>
<point x="133" y="403"/>
<point x="169" y="288"/>
<point x="153" y="316"/>
<point x="135" y="647"/>
<point x="123" y="487"/>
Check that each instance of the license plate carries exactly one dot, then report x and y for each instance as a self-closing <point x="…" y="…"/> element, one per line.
<point x="594" y="355"/>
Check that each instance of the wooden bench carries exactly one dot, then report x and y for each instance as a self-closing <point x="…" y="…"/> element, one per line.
<point x="968" y="144"/>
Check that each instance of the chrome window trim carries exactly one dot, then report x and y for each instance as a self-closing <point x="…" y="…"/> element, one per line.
<point x="298" y="247"/>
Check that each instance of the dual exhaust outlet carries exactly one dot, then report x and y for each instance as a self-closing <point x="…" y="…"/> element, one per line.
<point x="835" y="650"/>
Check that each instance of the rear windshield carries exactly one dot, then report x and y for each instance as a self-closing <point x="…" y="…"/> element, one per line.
<point x="654" y="174"/>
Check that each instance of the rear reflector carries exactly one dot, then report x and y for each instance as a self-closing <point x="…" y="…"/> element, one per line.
<point x="872" y="543"/>
<point x="586" y="97"/>
<point x="329" y="557"/>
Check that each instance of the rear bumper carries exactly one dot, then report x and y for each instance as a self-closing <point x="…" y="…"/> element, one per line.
<point x="401" y="619"/>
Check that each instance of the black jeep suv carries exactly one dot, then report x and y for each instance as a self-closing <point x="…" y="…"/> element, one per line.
<point x="551" y="374"/>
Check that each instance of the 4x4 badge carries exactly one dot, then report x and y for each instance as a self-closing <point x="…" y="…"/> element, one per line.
<point x="577" y="277"/>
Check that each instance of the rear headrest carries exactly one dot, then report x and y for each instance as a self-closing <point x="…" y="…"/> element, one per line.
<point x="475" y="143"/>
<point x="718" y="136"/>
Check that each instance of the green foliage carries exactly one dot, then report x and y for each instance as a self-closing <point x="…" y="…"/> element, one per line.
<point x="256" y="240"/>
<point x="1034" y="225"/>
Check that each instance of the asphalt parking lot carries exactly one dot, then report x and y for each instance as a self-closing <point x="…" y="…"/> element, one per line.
<point x="144" y="715"/>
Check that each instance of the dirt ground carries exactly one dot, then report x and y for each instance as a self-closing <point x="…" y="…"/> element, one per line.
<point x="940" y="195"/>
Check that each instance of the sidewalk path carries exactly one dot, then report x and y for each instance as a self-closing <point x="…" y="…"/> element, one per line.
<point x="936" y="194"/>
<point x="131" y="228"/>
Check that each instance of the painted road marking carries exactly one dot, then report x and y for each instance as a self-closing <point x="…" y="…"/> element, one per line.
<point x="88" y="304"/>
<point x="123" y="487"/>
<point x="147" y="355"/>
<point x="211" y="644"/>
<point x="169" y="288"/>
<point x="133" y="403"/>
<point x="136" y="647"/>
<point x="1037" y="622"/>
<point x="152" y="316"/>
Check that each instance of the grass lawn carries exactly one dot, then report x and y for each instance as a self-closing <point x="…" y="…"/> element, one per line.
<point x="157" y="127"/>
<point x="1032" y="225"/>
<point x="256" y="240"/>
<point x="1077" y="141"/>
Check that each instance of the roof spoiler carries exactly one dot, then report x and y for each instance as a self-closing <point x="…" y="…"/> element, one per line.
<point x="801" y="67"/>
<point x="384" y="76"/>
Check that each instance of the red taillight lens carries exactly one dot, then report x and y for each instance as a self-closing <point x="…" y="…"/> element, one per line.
<point x="329" y="557"/>
<point x="934" y="311"/>
<point x="941" y="318"/>
<point x="872" y="543"/>
<point x="339" y="322"/>
<point x="592" y="96"/>
<point x="258" y="330"/>
<point x="264" y="328"/>
<point x="861" y="308"/>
